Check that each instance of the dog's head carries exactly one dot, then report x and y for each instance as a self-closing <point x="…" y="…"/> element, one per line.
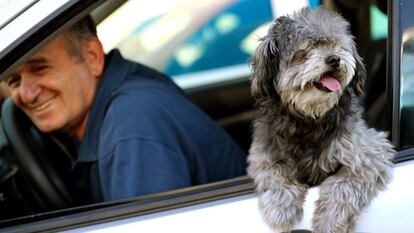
<point x="308" y="60"/>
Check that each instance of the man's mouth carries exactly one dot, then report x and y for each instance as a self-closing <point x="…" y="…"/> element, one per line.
<point x="328" y="83"/>
<point x="44" y="105"/>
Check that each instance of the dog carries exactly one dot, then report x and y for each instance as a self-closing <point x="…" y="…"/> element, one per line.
<point x="308" y="82"/>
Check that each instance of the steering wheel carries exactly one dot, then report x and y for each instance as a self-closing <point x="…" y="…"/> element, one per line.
<point x="32" y="151"/>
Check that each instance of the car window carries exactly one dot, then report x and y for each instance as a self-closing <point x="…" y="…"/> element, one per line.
<point x="407" y="76"/>
<point x="181" y="37"/>
<point x="407" y="88"/>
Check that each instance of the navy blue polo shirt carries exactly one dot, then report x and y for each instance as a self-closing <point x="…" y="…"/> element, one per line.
<point x="144" y="136"/>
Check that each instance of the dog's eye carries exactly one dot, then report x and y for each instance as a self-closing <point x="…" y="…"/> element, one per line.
<point x="300" y="56"/>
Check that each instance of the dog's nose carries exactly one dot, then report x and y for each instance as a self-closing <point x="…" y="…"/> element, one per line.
<point x="333" y="61"/>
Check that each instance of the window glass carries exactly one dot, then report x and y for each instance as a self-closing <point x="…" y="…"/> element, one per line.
<point x="407" y="89"/>
<point x="407" y="76"/>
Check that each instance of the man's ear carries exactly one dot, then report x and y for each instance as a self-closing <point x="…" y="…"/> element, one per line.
<point x="94" y="56"/>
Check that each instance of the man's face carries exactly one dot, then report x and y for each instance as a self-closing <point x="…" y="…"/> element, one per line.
<point x="55" y="89"/>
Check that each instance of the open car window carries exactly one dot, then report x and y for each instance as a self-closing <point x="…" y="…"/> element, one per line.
<point x="205" y="47"/>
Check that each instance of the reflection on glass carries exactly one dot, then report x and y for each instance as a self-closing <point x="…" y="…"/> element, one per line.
<point x="407" y="89"/>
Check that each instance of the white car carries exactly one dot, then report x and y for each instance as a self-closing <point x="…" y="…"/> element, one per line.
<point x="204" y="46"/>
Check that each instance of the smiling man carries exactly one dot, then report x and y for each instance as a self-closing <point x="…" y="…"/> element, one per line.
<point x="136" y="131"/>
<point x="56" y="89"/>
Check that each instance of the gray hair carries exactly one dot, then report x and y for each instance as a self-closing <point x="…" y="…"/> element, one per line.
<point x="78" y="34"/>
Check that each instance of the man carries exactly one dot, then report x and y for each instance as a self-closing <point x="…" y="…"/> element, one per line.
<point x="136" y="131"/>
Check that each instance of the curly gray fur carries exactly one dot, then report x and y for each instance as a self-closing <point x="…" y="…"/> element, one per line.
<point x="304" y="135"/>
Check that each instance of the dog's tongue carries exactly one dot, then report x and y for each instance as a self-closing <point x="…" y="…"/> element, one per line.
<point x="330" y="82"/>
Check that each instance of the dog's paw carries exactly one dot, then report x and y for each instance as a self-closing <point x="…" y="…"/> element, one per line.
<point x="281" y="216"/>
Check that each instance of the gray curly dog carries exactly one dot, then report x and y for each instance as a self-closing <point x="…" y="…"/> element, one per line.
<point x="307" y="82"/>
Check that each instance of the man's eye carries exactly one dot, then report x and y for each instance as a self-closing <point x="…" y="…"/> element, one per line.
<point x="13" y="81"/>
<point x="37" y="69"/>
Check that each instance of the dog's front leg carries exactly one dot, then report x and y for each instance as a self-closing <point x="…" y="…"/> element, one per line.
<point x="342" y="197"/>
<point x="280" y="196"/>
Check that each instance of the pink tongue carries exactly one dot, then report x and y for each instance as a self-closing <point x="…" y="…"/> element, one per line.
<point x="330" y="82"/>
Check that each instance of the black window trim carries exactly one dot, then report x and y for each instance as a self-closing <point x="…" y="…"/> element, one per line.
<point x="393" y="71"/>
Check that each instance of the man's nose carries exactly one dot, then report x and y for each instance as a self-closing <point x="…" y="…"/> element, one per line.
<point x="29" y="90"/>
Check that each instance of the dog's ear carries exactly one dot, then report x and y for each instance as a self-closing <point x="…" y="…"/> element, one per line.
<point x="358" y="81"/>
<point x="265" y="65"/>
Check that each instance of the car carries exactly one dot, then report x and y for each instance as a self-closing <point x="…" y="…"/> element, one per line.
<point x="205" y="47"/>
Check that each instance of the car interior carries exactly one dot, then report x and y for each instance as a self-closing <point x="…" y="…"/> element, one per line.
<point x="32" y="185"/>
